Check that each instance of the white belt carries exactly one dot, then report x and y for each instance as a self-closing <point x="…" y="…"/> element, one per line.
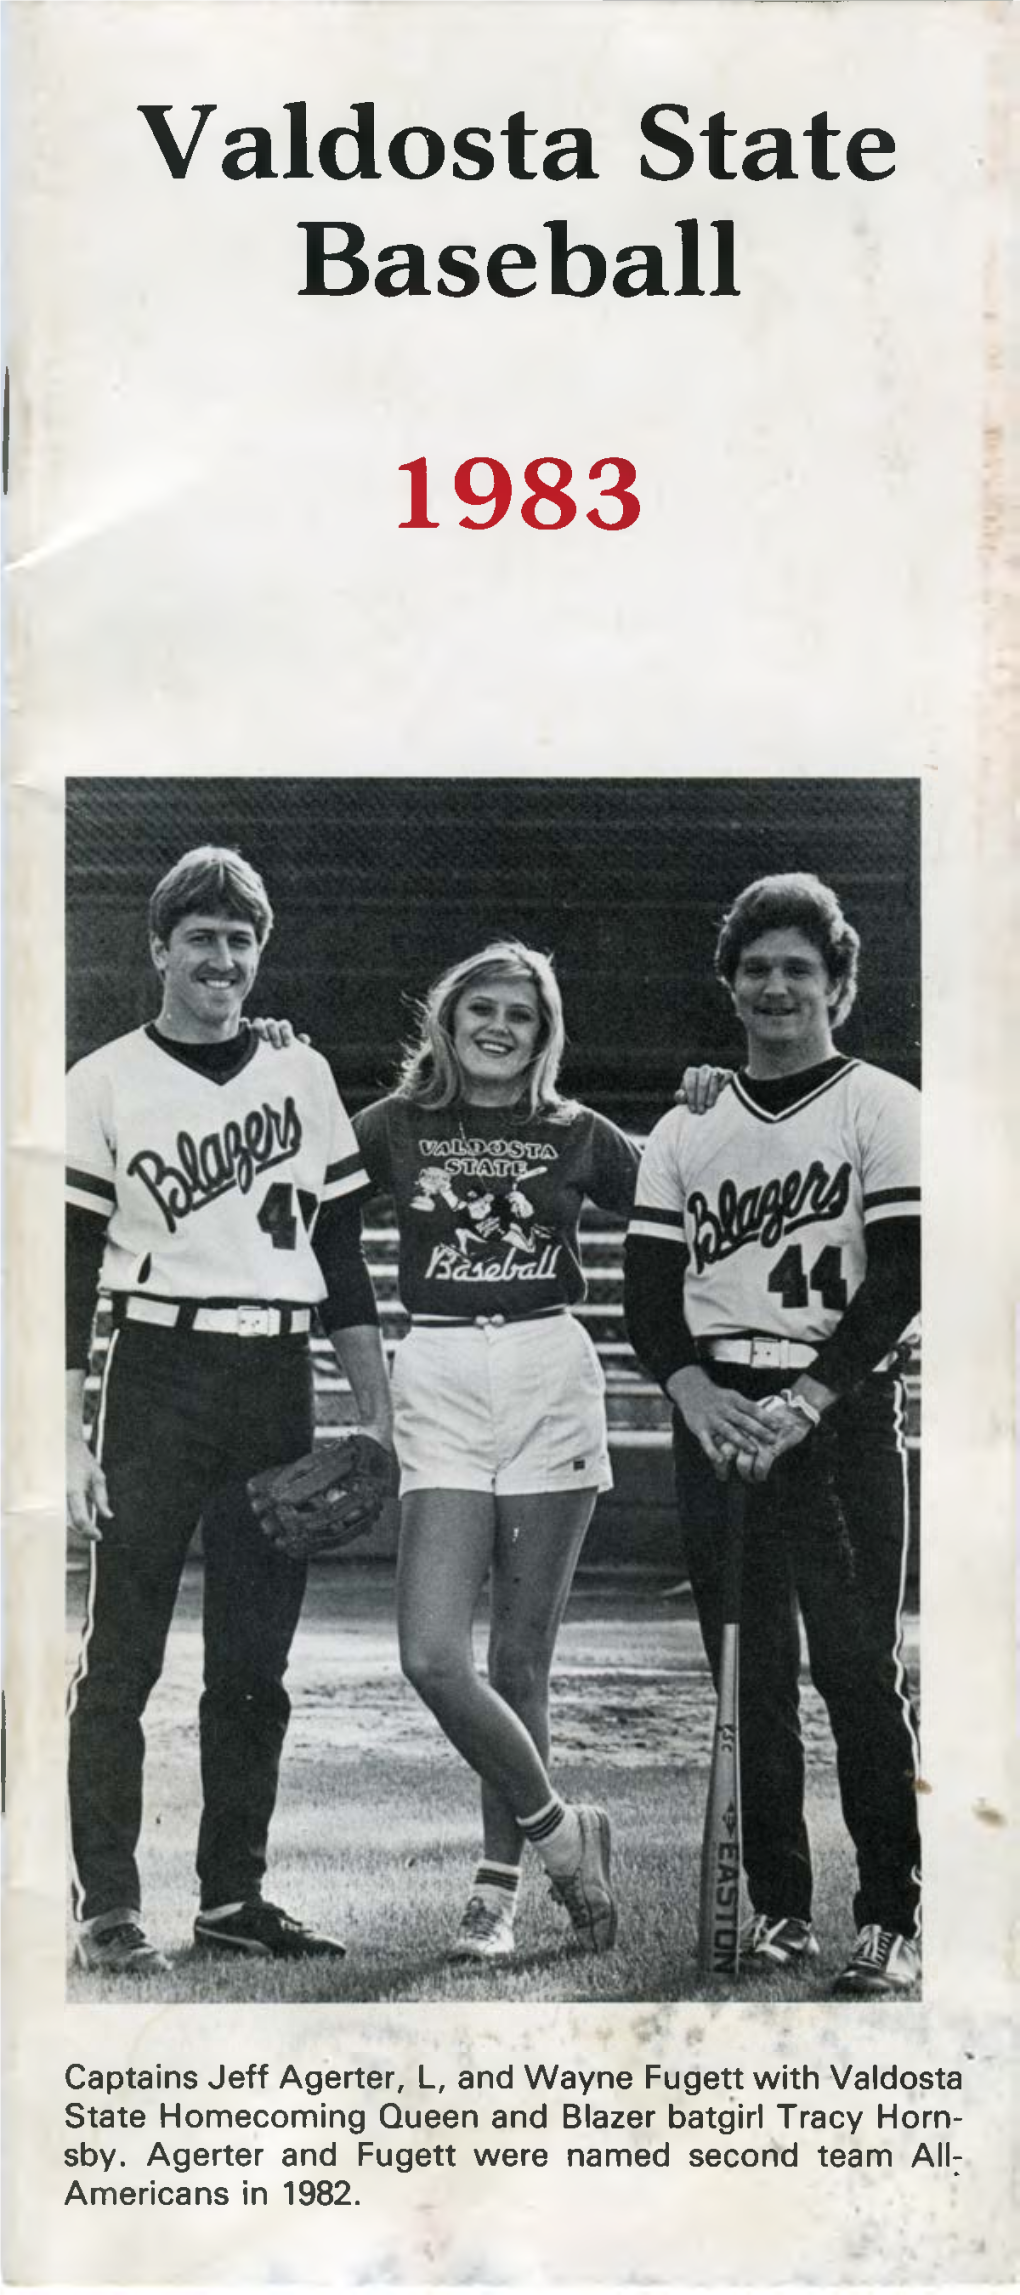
<point x="763" y="1354"/>
<point x="484" y="1322"/>
<point x="240" y="1322"/>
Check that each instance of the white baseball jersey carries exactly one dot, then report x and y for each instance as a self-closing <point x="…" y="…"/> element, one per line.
<point x="773" y="1209"/>
<point x="210" y="1187"/>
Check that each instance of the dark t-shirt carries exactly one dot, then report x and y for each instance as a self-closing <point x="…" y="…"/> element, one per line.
<point x="488" y="1200"/>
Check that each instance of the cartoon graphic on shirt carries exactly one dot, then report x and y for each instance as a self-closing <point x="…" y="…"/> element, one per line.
<point x="486" y="1218"/>
<point x="505" y="1216"/>
<point x="432" y="1183"/>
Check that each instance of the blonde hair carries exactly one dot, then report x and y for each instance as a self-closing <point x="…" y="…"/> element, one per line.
<point x="430" y="1073"/>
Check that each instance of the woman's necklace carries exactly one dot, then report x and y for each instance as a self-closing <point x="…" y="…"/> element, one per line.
<point x="508" y="1110"/>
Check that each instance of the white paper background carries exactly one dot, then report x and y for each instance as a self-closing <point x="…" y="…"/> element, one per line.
<point x="206" y="575"/>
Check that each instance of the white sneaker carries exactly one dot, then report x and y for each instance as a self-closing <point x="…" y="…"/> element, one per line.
<point x="882" y="1963"/>
<point x="780" y="1942"/>
<point x="586" y="1891"/>
<point x="115" y="1944"/>
<point x="486" y="1931"/>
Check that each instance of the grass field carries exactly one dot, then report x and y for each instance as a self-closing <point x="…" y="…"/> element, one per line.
<point x="376" y="1828"/>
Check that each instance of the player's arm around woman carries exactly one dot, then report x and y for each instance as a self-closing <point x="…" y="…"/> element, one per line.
<point x="498" y="1404"/>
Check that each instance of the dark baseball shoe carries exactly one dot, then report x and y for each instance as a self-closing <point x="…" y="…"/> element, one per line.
<point x="777" y="1943"/>
<point x="115" y="1944"/>
<point x="586" y="1892"/>
<point x="262" y="1931"/>
<point x="485" y="1933"/>
<point x="881" y="1965"/>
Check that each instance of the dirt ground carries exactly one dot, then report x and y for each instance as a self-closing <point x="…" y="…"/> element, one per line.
<point x="630" y="1687"/>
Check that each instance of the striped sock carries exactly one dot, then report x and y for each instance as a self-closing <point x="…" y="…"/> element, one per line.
<point x="497" y="1884"/>
<point x="554" y="1831"/>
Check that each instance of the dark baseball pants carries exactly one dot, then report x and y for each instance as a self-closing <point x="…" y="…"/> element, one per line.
<point x="184" y="1419"/>
<point x="871" y="1470"/>
<point x="798" y="1557"/>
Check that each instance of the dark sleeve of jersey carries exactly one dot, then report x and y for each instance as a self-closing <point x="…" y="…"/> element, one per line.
<point x="84" y="1239"/>
<point x="372" y="1132"/>
<point x="879" y="1312"/>
<point x="336" y="1241"/>
<point x="653" y="1306"/>
<point x="615" y="1160"/>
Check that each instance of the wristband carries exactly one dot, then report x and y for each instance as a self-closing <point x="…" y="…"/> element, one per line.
<point x="800" y="1403"/>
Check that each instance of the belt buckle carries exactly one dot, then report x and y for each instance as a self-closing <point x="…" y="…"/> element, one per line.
<point x="768" y="1354"/>
<point x="255" y="1322"/>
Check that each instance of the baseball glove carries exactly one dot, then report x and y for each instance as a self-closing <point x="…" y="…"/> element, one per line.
<point x="320" y="1502"/>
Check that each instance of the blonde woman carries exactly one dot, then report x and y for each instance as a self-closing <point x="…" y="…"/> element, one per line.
<point x="499" y="1405"/>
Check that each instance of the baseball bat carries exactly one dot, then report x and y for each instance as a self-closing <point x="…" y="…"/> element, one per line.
<point x="721" y="1848"/>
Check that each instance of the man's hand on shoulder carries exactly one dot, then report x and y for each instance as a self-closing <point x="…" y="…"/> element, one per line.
<point x="278" y="1034"/>
<point x="700" y="1087"/>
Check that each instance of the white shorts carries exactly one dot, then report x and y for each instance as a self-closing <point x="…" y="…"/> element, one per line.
<point x="509" y="1407"/>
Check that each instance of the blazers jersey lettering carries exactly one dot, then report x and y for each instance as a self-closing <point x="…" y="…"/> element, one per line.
<point x="210" y="1187"/>
<point x="773" y="1209"/>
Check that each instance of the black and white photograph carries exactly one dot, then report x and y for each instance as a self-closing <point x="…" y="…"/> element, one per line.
<point x="494" y="1389"/>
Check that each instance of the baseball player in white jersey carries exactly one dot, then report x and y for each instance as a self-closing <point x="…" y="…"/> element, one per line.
<point x="772" y="1266"/>
<point x="213" y="1192"/>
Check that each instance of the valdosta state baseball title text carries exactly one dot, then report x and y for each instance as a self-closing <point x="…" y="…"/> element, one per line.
<point x="698" y="258"/>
